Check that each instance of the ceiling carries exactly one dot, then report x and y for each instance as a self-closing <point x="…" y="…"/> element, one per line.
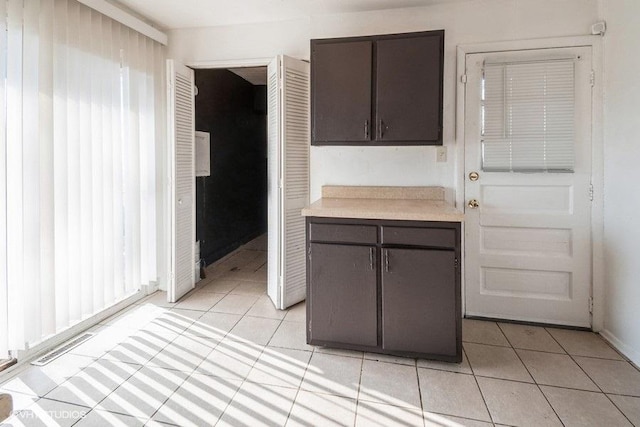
<point x="172" y="14"/>
<point x="254" y="75"/>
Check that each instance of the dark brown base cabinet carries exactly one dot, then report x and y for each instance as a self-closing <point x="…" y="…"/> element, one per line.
<point x="388" y="287"/>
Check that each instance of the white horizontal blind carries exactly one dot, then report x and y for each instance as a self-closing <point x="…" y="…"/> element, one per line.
<point x="528" y="116"/>
<point x="78" y="132"/>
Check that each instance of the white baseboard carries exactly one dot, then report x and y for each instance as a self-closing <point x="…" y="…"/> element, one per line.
<point x="630" y="353"/>
<point x="150" y="288"/>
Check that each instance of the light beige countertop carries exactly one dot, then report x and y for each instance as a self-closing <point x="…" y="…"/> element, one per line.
<point x="411" y="204"/>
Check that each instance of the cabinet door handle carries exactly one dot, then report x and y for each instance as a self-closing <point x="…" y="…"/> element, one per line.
<point x="386" y="261"/>
<point x="371" y="259"/>
<point x="380" y="129"/>
<point x="366" y="129"/>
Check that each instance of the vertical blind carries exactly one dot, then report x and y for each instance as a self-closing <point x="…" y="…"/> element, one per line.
<point x="80" y="100"/>
<point x="528" y="116"/>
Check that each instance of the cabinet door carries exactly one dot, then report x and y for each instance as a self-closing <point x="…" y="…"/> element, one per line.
<point x="341" y="91"/>
<point x="409" y="89"/>
<point x="419" y="301"/>
<point x="342" y="294"/>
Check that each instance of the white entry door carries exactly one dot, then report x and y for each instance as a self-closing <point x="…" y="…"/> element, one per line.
<point x="288" y="178"/>
<point x="181" y="135"/>
<point x="528" y="185"/>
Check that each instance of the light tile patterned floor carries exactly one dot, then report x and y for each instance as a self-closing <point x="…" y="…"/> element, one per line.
<point x="224" y="356"/>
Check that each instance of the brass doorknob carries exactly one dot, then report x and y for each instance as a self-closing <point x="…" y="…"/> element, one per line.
<point x="473" y="204"/>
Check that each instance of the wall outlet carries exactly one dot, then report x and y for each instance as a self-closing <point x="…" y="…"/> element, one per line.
<point x="441" y="154"/>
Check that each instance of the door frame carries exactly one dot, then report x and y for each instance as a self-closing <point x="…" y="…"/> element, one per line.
<point x="597" y="152"/>
<point x="166" y="231"/>
<point x="231" y="63"/>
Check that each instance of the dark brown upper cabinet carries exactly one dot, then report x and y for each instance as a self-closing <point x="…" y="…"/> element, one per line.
<point x="377" y="90"/>
<point x="342" y="93"/>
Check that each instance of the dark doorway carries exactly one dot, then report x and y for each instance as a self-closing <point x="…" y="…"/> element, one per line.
<point x="231" y="203"/>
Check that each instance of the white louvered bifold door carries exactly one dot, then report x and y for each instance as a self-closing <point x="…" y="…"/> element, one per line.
<point x="182" y="142"/>
<point x="273" y="182"/>
<point x="288" y="106"/>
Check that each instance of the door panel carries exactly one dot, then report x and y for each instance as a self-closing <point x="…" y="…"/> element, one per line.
<point x="288" y="178"/>
<point x="182" y="142"/>
<point x="343" y="290"/>
<point x="527" y="244"/>
<point x="342" y="91"/>
<point x="419" y="301"/>
<point x="408" y="87"/>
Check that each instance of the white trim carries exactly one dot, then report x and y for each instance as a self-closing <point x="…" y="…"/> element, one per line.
<point x="545" y="43"/>
<point x="152" y="287"/>
<point x="127" y="19"/>
<point x="168" y="185"/>
<point x="230" y="63"/>
<point x="626" y="350"/>
<point x="24" y="358"/>
<point x="597" y="169"/>
<point x="597" y="180"/>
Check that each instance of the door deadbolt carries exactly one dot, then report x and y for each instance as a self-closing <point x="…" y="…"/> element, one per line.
<point x="473" y="176"/>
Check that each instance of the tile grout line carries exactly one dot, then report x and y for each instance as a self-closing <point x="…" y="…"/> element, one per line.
<point x="190" y="374"/>
<point x="244" y="380"/>
<point x="424" y="423"/>
<point x="590" y="332"/>
<point x="307" y="367"/>
<point x="532" y="377"/>
<point x="600" y="388"/>
<point x="624" y="358"/>
<point x="293" y="402"/>
<point x="571" y="356"/>
<point x="618" y="408"/>
<point x="101" y="358"/>
<point x="475" y="378"/>
<point x="164" y="402"/>
<point x="355" y="418"/>
<point x="181" y="334"/>
<point x="241" y="382"/>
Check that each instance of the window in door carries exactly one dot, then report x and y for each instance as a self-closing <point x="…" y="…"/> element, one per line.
<point x="528" y="116"/>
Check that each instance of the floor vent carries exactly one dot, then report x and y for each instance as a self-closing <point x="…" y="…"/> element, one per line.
<point x="61" y="350"/>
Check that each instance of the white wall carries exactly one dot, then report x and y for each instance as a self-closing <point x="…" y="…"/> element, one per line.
<point x="464" y="22"/>
<point x="474" y="22"/>
<point x="621" y="163"/>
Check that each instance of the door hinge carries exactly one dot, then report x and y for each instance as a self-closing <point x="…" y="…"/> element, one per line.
<point x="591" y="192"/>
<point x="592" y="78"/>
<point x="309" y="253"/>
<point x="463" y="78"/>
<point x="590" y="305"/>
<point x="456" y="262"/>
